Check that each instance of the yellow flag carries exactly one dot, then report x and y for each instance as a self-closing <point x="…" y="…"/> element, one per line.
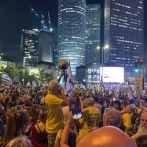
<point x="74" y="88"/>
<point x="99" y="88"/>
<point x="90" y="86"/>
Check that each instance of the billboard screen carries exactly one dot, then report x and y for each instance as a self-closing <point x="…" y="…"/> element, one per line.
<point x="112" y="74"/>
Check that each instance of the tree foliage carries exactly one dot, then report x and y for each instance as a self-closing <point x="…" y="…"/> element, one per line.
<point x="12" y="71"/>
<point x="23" y="73"/>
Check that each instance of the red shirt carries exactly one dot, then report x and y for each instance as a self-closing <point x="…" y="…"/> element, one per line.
<point x="35" y="135"/>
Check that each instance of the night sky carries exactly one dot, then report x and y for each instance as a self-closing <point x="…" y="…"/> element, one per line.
<point x="15" y="15"/>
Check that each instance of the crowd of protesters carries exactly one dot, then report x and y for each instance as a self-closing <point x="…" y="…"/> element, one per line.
<point x="41" y="117"/>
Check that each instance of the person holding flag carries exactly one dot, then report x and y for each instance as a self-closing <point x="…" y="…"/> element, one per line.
<point x="53" y="105"/>
<point x="70" y="81"/>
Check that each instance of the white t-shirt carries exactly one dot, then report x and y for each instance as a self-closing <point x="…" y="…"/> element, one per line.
<point x="65" y="110"/>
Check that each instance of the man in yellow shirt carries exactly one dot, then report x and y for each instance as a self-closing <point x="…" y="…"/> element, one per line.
<point x="126" y="116"/>
<point x="90" y="116"/>
<point x="53" y="104"/>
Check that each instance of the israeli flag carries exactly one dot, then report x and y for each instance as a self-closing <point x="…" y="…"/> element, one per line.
<point x="131" y="97"/>
<point x="28" y="84"/>
<point x="70" y="81"/>
<point x="6" y="78"/>
<point x="34" y="84"/>
<point x="110" y="90"/>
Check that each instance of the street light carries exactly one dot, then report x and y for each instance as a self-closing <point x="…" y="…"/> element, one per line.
<point x="98" y="47"/>
<point x="105" y="47"/>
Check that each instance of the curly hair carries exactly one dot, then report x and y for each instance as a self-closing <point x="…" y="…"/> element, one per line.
<point x="32" y="111"/>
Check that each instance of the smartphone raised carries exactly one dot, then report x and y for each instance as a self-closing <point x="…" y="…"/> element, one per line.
<point x="76" y="110"/>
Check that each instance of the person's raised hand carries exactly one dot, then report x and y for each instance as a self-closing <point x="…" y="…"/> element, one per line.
<point x="69" y="116"/>
<point x="62" y="92"/>
<point x="62" y="73"/>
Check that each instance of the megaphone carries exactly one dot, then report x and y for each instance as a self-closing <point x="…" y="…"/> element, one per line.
<point x="63" y="65"/>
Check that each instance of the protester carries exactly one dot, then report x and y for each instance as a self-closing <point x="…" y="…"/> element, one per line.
<point x="38" y="133"/>
<point x="112" y="117"/>
<point x="96" y="104"/>
<point x="141" y="141"/>
<point x="34" y="113"/>
<point x="27" y="105"/>
<point x="90" y="116"/>
<point x="106" y="137"/>
<point x="142" y="130"/>
<point x="21" y="141"/>
<point x="53" y="104"/>
<point x="21" y="104"/>
<point x="16" y="126"/>
<point x="126" y="116"/>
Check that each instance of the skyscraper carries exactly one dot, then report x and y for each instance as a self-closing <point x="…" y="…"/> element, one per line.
<point x="71" y="32"/>
<point x="123" y="34"/>
<point x="45" y="46"/>
<point x="92" y="41"/>
<point x="29" y="46"/>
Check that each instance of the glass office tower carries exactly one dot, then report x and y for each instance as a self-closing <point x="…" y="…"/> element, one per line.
<point x="123" y="24"/>
<point x="29" y="47"/>
<point x="92" y="42"/>
<point x="71" y="32"/>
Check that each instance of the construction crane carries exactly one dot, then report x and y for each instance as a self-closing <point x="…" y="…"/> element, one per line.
<point x="43" y="27"/>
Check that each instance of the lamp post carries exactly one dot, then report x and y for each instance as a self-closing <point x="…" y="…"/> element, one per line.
<point x="105" y="47"/>
<point x="24" y="59"/>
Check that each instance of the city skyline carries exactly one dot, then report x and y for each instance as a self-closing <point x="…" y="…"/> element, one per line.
<point x="123" y="34"/>
<point x="16" y="15"/>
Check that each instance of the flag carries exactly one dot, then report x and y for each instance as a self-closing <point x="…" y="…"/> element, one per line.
<point x="110" y="90"/>
<point x="99" y="88"/>
<point x="70" y="81"/>
<point x="6" y="78"/>
<point x="28" y="84"/>
<point x="131" y="98"/>
<point x="34" y="84"/>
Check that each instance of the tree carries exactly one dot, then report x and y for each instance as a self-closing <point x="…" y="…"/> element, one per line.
<point x="49" y="77"/>
<point x="41" y="75"/>
<point x="44" y="76"/>
<point x="12" y="71"/>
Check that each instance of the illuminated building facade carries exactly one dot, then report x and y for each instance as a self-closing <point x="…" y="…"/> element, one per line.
<point x="123" y="33"/>
<point x="92" y="42"/>
<point x="29" y="47"/>
<point x="71" y="32"/>
<point x="45" y="46"/>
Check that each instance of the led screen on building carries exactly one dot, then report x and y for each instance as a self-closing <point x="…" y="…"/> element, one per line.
<point x="112" y="74"/>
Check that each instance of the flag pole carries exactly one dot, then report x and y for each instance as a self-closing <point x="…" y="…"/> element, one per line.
<point x="69" y="76"/>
